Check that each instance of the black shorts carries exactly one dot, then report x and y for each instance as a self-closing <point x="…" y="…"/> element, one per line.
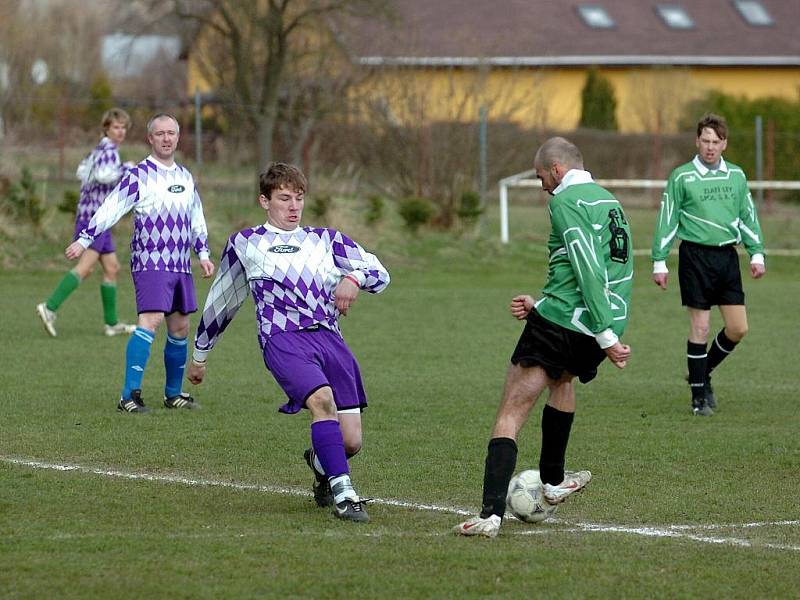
<point x="709" y="275"/>
<point x="557" y="350"/>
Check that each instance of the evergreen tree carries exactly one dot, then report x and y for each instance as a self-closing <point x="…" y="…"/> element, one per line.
<point x="598" y="104"/>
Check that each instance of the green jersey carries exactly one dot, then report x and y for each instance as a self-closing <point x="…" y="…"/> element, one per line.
<point x="713" y="208"/>
<point x="590" y="274"/>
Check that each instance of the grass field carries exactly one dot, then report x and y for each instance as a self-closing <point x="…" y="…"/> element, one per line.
<point x="216" y="503"/>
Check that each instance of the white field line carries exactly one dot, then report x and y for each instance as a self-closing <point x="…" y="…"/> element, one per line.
<point x="670" y="531"/>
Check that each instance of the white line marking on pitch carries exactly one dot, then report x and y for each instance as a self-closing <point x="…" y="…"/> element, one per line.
<point x="671" y="531"/>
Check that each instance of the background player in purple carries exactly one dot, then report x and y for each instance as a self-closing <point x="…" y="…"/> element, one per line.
<point x="99" y="172"/>
<point x="301" y="279"/>
<point x="168" y="224"/>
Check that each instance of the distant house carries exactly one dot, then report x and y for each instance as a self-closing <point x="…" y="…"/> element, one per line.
<point x="526" y="60"/>
<point x="127" y="55"/>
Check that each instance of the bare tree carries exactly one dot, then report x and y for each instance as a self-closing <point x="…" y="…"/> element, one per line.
<point x="657" y="99"/>
<point x="40" y="73"/>
<point x="245" y="50"/>
<point x="423" y="137"/>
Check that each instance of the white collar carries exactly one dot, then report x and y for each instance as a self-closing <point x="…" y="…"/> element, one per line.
<point x="573" y="177"/>
<point x="161" y="165"/>
<point x="703" y="170"/>
<point x="270" y="227"/>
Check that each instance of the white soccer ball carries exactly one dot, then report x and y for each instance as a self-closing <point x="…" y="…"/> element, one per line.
<point x="525" y="499"/>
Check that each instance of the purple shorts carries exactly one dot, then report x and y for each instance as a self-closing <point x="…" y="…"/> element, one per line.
<point x="102" y="244"/>
<point x="165" y="292"/>
<point x="306" y="360"/>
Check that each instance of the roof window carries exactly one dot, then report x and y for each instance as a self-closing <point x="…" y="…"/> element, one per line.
<point x="595" y="16"/>
<point x="675" y="16"/>
<point x="753" y="12"/>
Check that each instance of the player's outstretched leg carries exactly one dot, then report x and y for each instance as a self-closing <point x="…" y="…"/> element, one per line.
<point x="328" y="444"/>
<point x="501" y="459"/>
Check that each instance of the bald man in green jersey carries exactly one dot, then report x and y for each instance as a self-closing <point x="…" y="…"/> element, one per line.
<point x="708" y="206"/>
<point x="575" y="324"/>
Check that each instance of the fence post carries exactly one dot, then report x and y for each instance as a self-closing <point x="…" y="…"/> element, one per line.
<point x="769" y="167"/>
<point x="503" y="212"/>
<point x="198" y="128"/>
<point x="759" y="158"/>
<point x="482" y="153"/>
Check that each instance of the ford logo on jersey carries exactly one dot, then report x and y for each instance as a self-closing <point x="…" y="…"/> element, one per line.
<point x="176" y="189"/>
<point x="284" y="249"/>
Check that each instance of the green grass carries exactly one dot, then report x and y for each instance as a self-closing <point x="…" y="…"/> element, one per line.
<point x="433" y="350"/>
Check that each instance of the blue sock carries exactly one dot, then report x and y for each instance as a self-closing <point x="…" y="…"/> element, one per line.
<point x="136" y="356"/>
<point x="175" y="352"/>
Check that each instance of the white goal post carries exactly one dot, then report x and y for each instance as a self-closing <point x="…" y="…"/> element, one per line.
<point x="527" y="179"/>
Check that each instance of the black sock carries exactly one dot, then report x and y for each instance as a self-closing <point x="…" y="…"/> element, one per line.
<point x="501" y="459"/>
<point x="556" y="425"/>
<point x="720" y="348"/>
<point x="696" y="358"/>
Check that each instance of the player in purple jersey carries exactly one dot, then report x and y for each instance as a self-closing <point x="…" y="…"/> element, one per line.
<point x="168" y="224"/>
<point x="301" y="280"/>
<point x="99" y="172"/>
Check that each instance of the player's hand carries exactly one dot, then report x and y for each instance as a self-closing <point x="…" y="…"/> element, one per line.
<point x="521" y="305"/>
<point x="757" y="270"/>
<point x="618" y="354"/>
<point x="661" y="280"/>
<point x="74" y="250"/>
<point x="197" y="371"/>
<point x="345" y="294"/>
<point x="207" y="267"/>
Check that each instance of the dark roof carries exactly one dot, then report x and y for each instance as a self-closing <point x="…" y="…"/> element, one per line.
<point x="542" y="32"/>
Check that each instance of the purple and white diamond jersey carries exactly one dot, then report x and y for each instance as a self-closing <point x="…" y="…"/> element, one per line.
<point x="291" y="276"/>
<point x="168" y="217"/>
<point x="106" y="171"/>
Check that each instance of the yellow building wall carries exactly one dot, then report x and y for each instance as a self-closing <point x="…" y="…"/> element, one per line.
<point x="648" y="99"/>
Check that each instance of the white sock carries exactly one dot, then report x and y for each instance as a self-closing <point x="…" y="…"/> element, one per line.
<point x="318" y="465"/>
<point x="342" y="488"/>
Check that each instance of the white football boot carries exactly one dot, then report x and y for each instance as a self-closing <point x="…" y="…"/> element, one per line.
<point x="119" y="329"/>
<point x="48" y="318"/>
<point x="574" y="481"/>
<point x="488" y="527"/>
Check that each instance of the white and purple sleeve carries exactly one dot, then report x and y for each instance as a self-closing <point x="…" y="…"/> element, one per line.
<point x="227" y="293"/>
<point x="116" y="205"/>
<point x="107" y="166"/>
<point x="199" y="229"/>
<point x="353" y="260"/>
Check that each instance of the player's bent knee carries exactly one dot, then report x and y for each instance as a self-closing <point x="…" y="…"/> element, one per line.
<point x="352" y="447"/>
<point x="736" y="334"/>
<point x="321" y="403"/>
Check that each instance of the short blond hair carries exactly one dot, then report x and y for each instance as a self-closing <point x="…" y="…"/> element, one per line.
<point x="115" y="115"/>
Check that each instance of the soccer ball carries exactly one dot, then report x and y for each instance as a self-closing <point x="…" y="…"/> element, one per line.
<point x="525" y="499"/>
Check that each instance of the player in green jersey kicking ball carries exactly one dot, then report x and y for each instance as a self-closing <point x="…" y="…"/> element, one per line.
<point x="568" y="332"/>
<point x="708" y="207"/>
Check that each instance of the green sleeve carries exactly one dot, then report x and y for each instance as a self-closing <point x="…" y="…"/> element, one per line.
<point x="749" y="226"/>
<point x="586" y="257"/>
<point x="667" y="224"/>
